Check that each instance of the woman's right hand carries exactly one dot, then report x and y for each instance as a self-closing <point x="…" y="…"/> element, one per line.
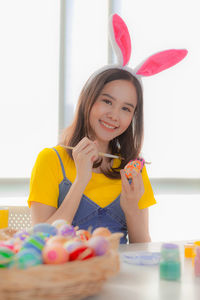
<point x="84" y="155"/>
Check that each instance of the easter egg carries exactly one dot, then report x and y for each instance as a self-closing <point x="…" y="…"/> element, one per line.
<point x="57" y="239"/>
<point x="101" y="231"/>
<point x="27" y="258"/>
<point x="45" y="228"/>
<point x="137" y="165"/>
<point x="84" y="235"/>
<point x="7" y="244"/>
<point x="6" y="256"/>
<point x="55" y="254"/>
<point x="67" y="230"/>
<point x="21" y="235"/>
<point x="100" y="245"/>
<point x="81" y="253"/>
<point x="59" y="223"/>
<point x="72" y="245"/>
<point x="35" y="241"/>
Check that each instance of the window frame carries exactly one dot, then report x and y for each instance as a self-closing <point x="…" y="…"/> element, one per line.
<point x="19" y="187"/>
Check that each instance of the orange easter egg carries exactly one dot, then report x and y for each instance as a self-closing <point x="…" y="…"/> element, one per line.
<point x="54" y="254"/>
<point x="101" y="231"/>
<point x="84" y="235"/>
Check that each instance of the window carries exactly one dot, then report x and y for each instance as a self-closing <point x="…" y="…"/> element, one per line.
<point x="48" y="50"/>
<point x="29" y="60"/>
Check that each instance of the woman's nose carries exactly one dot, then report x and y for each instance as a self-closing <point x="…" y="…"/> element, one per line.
<point x="114" y="114"/>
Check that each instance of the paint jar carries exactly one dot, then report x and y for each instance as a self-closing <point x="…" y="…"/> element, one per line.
<point x="197" y="243"/>
<point x="170" y="265"/>
<point x="197" y="261"/>
<point x="188" y="250"/>
<point x="4" y="214"/>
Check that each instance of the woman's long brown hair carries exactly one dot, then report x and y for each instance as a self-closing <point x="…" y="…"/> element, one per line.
<point x="130" y="141"/>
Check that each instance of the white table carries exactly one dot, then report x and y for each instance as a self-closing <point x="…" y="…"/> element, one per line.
<point x="144" y="283"/>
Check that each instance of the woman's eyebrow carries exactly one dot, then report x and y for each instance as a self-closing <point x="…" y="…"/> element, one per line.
<point x="126" y="103"/>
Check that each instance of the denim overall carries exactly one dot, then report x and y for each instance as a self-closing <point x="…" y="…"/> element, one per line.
<point x="90" y="214"/>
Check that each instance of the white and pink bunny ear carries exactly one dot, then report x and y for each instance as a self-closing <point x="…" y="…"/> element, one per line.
<point x="120" y="39"/>
<point x="161" y="61"/>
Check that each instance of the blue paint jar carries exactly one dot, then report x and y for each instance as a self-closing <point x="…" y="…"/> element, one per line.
<point x="170" y="265"/>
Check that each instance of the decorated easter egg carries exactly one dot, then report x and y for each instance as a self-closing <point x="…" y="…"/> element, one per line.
<point x="100" y="245"/>
<point x="59" y="223"/>
<point x="137" y="165"/>
<point x="7" y="244"/>
<point x="72" y="245"/>
<point x="6" y="256"/>
<point x="27" y="258"/>
<point x="101" y="231"/>
<point x="57" y="239"/>
<point x="45" y="228"/>
<point x="67" y="230"/>
<point x="35" y="241"/>
<point x="82" y="252"/>
<point x="84" y="235"/>
<point x="55" y="254"/>
<point x="21" y="235"/>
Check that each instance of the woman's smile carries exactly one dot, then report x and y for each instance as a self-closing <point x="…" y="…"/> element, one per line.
<point x="107" y="126"/>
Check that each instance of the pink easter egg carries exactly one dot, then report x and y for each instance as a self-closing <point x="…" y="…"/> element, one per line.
<point x="54" y="254"/>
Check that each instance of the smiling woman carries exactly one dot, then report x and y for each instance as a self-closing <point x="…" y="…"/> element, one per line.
<point x="88" y="190"/>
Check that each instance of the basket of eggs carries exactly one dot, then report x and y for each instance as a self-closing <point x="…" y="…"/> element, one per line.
<point x="56" y="261"/>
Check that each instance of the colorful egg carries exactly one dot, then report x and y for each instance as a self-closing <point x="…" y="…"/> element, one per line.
<point x="21" y="235"/>
<point x="72" y="245"/>
<point x="137" y="165"/>
<point x="6" y="256"/>
<point x="100" y="245"/>
<point x="59" y="223"/>
<point x="57" y="239"/>
<point x="35" y="241"/>
<point x="84" y="235"/>
<point x="27" y="258"/>
<point x="82" y="252"/>
<point x="55" y="254"/>
<point x="67" y="230"/>
<point x="101" y="231"/>
<point x="7" y="244"/>
<point x="45" y="228"/>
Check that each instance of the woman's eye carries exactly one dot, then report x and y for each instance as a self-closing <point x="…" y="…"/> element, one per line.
<point x="126" y="109"/>
<point x="107" y="101"/>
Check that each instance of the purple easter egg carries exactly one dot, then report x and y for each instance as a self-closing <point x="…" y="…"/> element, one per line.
<point x="67" y="230"/>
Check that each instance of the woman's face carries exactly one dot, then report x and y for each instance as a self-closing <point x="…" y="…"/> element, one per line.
<point x="113" y="110"/>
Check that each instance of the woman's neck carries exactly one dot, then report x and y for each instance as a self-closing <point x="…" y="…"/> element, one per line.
<point x="103" y="147"/>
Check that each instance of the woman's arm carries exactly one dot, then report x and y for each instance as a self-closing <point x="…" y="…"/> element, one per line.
<point x="84" y="154"/>
<point x="137" y="219"/>
<point x="44" y="213"/>
<point x="138" y="225"/>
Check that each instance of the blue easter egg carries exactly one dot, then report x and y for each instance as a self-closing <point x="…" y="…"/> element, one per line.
<point x="27" y="258"/>
<point x="45" y="228"/>
<point x="35" y="241"/>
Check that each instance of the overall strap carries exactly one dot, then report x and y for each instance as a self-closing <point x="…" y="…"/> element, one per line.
<point x="61" y="163"/>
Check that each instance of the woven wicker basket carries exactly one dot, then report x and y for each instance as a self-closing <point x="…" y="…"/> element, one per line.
<point x="73" y="280"/>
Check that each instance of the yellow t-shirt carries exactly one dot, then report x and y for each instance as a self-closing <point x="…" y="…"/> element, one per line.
<point x="47" y="175"/>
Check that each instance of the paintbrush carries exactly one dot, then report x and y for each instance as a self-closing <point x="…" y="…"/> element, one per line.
<point x="100" y="153"/>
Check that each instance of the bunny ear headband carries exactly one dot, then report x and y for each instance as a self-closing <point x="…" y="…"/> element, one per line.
<point x="121" y="43"/>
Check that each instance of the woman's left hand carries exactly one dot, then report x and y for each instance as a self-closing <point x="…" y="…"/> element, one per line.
<point x="131" y="192"/>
